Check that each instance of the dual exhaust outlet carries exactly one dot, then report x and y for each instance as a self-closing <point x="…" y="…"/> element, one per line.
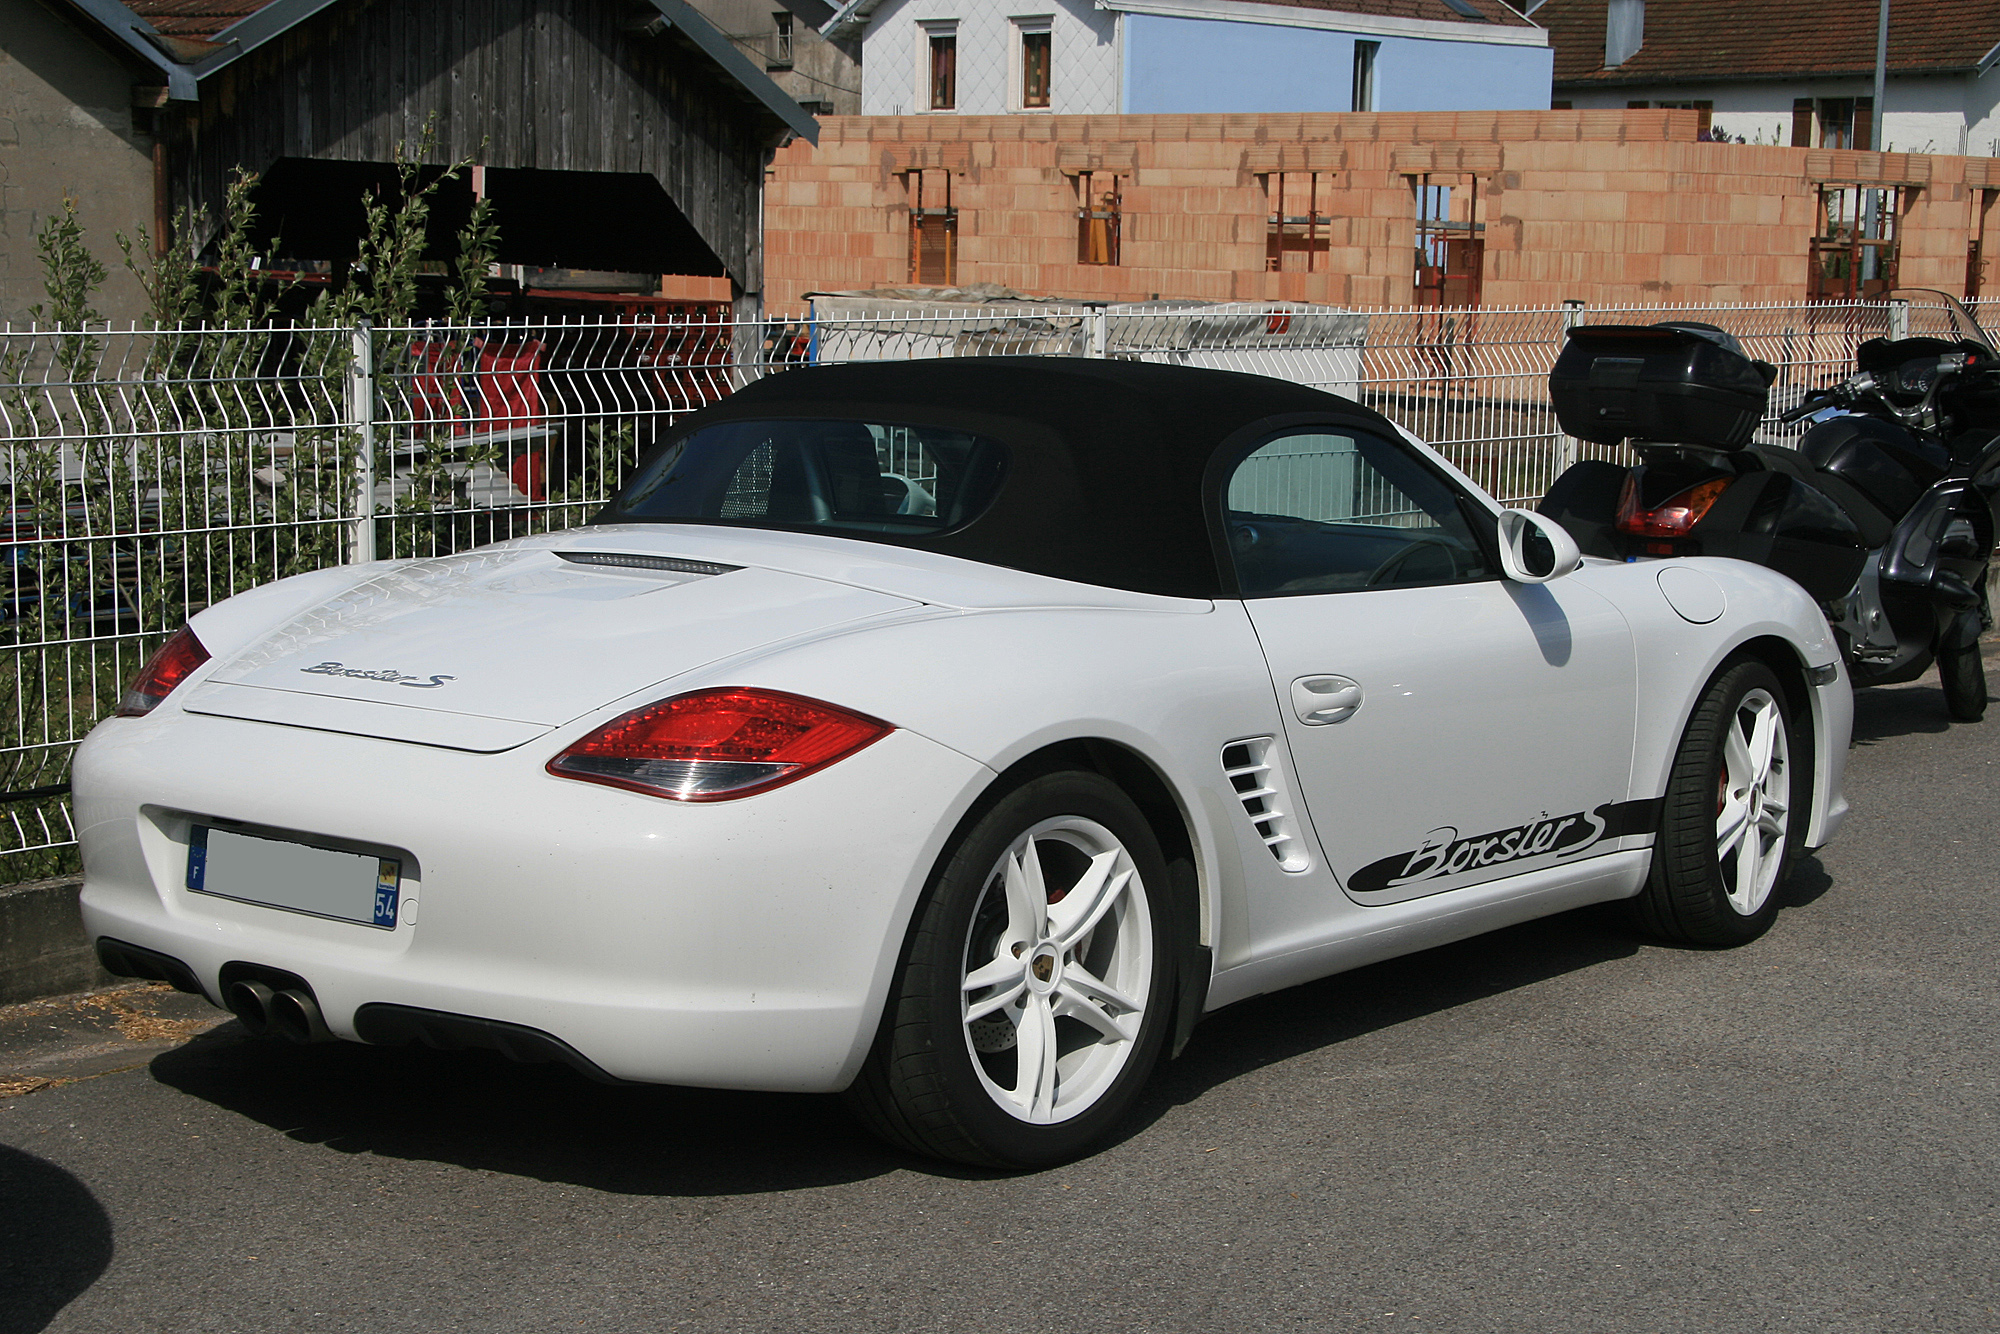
<point x="288" y="1012"/>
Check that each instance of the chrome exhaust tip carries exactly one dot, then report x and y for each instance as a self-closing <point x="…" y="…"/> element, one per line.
<point x="295" y="1015"/>
<point x="250" y="1001"/>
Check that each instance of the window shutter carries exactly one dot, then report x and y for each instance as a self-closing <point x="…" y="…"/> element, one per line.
<point x="1802" y="122"/>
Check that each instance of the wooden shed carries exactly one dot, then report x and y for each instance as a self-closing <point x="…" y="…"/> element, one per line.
<point x="623" y="137"/>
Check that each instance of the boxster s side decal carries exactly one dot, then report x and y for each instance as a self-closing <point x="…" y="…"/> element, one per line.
<point x="1443" y="853"/>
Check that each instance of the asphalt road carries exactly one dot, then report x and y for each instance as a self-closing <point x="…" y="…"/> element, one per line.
<point x="1552" y="1128"/>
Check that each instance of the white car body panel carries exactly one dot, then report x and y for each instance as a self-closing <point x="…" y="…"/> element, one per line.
<point x="753" y="943"/>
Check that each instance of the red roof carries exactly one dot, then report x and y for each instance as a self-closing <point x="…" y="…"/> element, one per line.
<point x="1436" y="11"/>
<point x="1715" y="41"/>
<point x="198" y="20"/>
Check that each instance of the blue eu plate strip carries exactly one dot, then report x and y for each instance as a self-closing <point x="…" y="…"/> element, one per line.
<point x="197" y="856"/>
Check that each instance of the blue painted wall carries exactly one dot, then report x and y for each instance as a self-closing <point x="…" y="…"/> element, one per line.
<point x="1197" y="65"/>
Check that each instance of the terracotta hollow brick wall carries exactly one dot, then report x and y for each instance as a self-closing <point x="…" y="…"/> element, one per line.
<point x="1599" y="206"/>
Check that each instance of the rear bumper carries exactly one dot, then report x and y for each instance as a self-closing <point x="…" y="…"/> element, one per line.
<point x="744" y="944"/>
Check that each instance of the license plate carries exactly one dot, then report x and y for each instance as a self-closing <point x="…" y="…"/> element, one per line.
<point x="278" y="873"/>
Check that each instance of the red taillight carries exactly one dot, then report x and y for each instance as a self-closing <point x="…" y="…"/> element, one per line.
<point x="1674" y="516"/>
<point x="173" y="664"/>
<point x="713" y="745"/>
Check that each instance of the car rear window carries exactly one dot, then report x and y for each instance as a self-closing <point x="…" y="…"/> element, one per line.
<point x="872" y="477"/>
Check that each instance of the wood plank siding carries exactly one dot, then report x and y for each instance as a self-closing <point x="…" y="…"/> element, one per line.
<point x="537" y="84"/>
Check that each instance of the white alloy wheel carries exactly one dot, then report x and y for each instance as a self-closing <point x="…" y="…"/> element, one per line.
<point x="1753" y="802"/>
<point x="1037" y="985"/>
<point x="1058" y="970"/>
<point x="1728" y="835"/>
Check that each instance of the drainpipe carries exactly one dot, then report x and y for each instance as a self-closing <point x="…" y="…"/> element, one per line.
<point x="1881" y="75"/>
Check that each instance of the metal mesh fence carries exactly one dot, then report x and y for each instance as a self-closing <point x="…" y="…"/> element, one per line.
<point x="152" y="473"/>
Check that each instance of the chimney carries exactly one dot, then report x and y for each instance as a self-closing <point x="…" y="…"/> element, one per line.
<point x="1624" y="30"/>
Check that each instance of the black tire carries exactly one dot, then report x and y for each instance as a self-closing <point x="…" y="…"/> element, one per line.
<point x="924" y="1086"/>
<point x="1704" y="888"/>
<point x="1962" y="673"/>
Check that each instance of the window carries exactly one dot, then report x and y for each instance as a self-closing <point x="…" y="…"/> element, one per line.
<point x="933" y="228"/>
<point x="1451" y="241"/>
<point x="781" y="42"/>
<point x="1035" y="52"/>
<point x="1833" y="122"/>
<point x="1854" y="245"/>
<point x="1295" y="239"/>
<point x="1097" y="217"/>
<point x="1704" y="106"/>
<point x="1328" y="512"/>
<point x="1364" y="75"/>
<point x="870" y="477"/>
<point x="943" y="83"/>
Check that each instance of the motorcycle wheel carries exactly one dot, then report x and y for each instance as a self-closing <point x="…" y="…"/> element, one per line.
<point x="1962" y="672"/>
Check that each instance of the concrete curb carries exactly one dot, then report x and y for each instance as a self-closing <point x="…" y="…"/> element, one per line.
<point x="43" y="948"/>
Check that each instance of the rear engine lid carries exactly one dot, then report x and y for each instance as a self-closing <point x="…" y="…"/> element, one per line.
<point x="489" y="649"/>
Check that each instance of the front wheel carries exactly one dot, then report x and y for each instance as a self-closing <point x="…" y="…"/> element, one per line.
<point x="1733" y="817"/>
<point x="1034" y="996"/>
<point x="1962" y="673"/>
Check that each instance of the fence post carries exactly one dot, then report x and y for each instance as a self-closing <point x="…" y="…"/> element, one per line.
<point x="1572" y="315"/>
<point x="361" y="417"/>
<point x="1899" y="319"/>
<point x="1100" y="332"/>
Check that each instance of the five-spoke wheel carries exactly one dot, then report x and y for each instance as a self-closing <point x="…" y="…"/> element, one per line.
<point x="1731" y="822"/>
<point x="1035" y="994"/>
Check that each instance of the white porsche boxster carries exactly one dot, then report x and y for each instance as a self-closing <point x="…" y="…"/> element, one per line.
<point x="955" y="734"/>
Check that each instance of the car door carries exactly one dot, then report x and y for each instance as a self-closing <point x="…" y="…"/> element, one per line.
<point x="1447" y="726"/>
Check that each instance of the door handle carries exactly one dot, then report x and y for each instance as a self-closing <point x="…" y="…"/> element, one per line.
<point x="1319" y="700"/>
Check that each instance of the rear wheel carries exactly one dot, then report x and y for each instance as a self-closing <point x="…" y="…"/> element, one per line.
<point x="1034" y="996"/>
<point x="1733" y="818"/>
<point x="1962" y="673"/>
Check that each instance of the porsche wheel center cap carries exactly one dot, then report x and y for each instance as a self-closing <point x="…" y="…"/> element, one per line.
<point x="1044" y="969"/>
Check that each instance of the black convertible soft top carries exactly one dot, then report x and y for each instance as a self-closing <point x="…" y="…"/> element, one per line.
<point x="1111" y="463"/>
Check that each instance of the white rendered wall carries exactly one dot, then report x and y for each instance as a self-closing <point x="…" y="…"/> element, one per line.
<point x="1921" y="115"/>
<point x="1083" y="67"/>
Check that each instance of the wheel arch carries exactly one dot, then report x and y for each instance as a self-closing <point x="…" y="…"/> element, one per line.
<point x="1789" y="665"/>
<point x="1173" y="826"/>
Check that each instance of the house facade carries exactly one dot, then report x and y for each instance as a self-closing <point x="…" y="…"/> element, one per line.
<point x="782" y="37"/>
<point x="1109" y="57"/>
<point x="1774" y="72"/>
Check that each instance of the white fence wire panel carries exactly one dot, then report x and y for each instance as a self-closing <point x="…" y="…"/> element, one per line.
<point x="152" y="473"/>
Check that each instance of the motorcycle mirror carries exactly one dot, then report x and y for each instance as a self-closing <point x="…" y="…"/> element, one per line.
<point x="1534" y="548"/>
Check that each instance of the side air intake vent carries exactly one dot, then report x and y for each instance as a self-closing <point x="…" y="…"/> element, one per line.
<point x="634" y="561"/>
<point x="1249" y="768"/>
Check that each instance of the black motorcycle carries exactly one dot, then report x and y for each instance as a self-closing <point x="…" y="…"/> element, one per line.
<point x="1885" y="511"/>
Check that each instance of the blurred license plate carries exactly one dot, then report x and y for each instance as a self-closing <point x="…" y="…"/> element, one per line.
<point x="277" y="873"/>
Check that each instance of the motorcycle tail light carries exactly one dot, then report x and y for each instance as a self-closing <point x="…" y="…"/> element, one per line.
<point x="1672" y="517"/>
<point x="174" y="663"/>
<point x="716" y="745"/>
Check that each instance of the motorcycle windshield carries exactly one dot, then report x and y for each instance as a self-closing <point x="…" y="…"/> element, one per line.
<point x="1935" y="314"/>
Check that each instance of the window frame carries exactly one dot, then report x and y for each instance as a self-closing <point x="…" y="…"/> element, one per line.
<point x="1023" y="27"/>
<point x="936" y="31"/>
<point x="781" y="41"/>
<point x="1362" y="96"/>
<point x="1481" y="517"/>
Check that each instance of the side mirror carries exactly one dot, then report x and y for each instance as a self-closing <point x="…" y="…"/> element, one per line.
<point x="1534" y="548"/>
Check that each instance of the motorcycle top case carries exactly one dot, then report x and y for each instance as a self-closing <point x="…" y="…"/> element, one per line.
<point x="1617" y="382"/>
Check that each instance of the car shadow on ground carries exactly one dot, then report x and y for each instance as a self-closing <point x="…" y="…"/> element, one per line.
<point x="478" y="1111"/>
<point x="1884" y="712"/>
<point x="55" y="1239"/>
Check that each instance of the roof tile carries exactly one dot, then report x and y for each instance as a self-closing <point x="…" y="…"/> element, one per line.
<point x="197" y="19"/>
<point x="1719" y="40"/>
